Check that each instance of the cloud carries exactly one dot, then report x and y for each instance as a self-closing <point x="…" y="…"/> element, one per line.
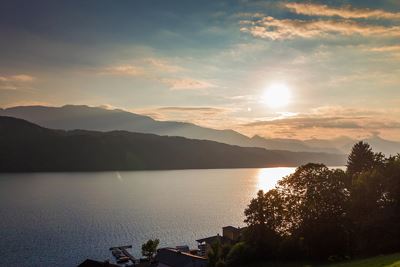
<point x="206" y="110"/>
<point x="312" y="122"/>
<point x="158" y="70"/>
<point x="163" y="65"/>
<point x="342" y="21"/>
<point x="186" y="84"/>
<point x="277" y="29"/>
<point x="107" y="106"/>
<point x="332" y="118"/>
<point x="348" y="12"/>
<point x="389" y="48"/>
<point x="16" y="82"/>
<point x="207" y="116"/>
<point x="141" y="67"/>
<point x="17" y="78"/>
<point x="122" y="70"/>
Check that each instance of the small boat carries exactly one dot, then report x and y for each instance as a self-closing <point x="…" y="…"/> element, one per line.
<point x="122" y="259"/>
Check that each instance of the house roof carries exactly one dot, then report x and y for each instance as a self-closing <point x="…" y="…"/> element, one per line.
<point x="214" y="239"/>
<point x="231" y="228"/>
<point x="93" y="263"/>
<point x="174" y="258"/>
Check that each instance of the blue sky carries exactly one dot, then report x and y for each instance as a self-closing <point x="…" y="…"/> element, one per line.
<point x="210" y="62"/>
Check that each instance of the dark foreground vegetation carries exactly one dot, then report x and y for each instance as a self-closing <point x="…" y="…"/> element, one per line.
<point x="319" y="215"/>
<point x="28" y="147"/>
<point x="391" y="260"/>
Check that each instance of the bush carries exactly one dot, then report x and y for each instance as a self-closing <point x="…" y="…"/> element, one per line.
<point x="239" y="254"/>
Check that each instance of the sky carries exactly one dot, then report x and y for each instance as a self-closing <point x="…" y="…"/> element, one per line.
<point x="211" y="62"/>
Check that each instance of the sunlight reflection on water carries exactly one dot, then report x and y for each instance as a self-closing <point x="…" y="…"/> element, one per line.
<point x="268" y="177"/>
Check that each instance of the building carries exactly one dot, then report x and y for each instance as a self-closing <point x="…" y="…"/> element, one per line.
<point x="93" y="263"/>
<point x="170" y="257"/>
<point x="230" y="235"/>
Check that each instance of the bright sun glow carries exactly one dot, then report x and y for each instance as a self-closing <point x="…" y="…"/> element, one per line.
<point x="268" y="177"/>
<point x="277" y="95"/>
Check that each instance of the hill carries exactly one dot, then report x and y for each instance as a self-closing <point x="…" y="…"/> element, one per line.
<point x="71" y="117"/>
<point x="25" y="146"/>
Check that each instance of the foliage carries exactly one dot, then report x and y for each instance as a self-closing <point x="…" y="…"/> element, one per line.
<point x="318" y="213"/>
<point x="391" y="260"/>
<point x="361" y="158"/>
<point x="150" y="248"/>
<point x="218" y="254"/>
<point x="315" y="203"/>
<point x="238" y="255"/>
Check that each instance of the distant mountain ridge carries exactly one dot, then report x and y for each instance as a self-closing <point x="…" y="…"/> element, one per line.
<point x="70" y="117"/>
<point x="27" y="147"/>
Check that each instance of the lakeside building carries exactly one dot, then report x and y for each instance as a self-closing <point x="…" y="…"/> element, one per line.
<point x="179" y="256"/>
<point x="230" y="236"/>
<point x="170" y="257"/>
<point x="94" y="263"/>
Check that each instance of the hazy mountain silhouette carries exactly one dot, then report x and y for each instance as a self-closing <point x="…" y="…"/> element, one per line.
<point x="72" y="117"/>
<point x="25" y="146"/>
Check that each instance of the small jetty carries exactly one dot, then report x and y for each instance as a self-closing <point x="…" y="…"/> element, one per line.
<point x="122" y="255"/>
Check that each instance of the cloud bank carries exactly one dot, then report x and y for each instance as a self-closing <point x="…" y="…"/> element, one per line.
<point x="345" y="24"/>
<point x="347" y="12"/>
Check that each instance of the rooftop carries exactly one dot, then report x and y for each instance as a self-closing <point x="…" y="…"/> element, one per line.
<point x="174" y="258"/>
<point x="231" y="228"/>
<point x="93" y="263"/>
<point x="214" y="239"/>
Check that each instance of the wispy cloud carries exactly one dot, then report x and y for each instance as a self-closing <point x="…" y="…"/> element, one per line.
<point x="387" y="48"/>
<point x="342" y="20"/>
<point x="158" y="70"/>
<point x="186" y="84"/>
<point x="141" y="67"/>
<point x="163" y="65"/>
<point x="207" y="110"/>
<point x="16" y="82"/>
<point x="277" y="29"/>
<point x="122" y="70"/>
<point x="328" y="121"/>
<point x="17" y="78"/>
<point x="348" y="12"/>
<point x="208" y="116"/>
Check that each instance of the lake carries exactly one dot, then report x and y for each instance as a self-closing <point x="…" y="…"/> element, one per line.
<point x="60" y="219"/>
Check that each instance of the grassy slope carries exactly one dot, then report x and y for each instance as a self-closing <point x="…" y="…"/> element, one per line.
<point x="392" y="260"/>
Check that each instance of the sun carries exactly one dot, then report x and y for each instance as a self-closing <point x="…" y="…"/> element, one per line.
<point x="277" y="95"/>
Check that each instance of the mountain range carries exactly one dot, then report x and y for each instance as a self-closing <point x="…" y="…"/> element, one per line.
<point x="27" y="147"/>
<point x="70" y="117"/>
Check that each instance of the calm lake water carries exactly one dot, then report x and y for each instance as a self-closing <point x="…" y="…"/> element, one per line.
<point x="60" y="219"/>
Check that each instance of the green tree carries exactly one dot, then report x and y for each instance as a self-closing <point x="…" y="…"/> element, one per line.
<point x="238" y="255"/>
<point x="218" y="253"/>
<point x="361" y="158"/>
<point x="264" y="217"/>
<point x="375" y="208"/>
<point x="150" y="248"/>
<point x="315" y="203"/>
<point x="265" y="210"/>
<point x="214" y="254"/>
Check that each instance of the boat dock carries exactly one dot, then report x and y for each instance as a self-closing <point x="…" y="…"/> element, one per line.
<point x="122" y="255"/>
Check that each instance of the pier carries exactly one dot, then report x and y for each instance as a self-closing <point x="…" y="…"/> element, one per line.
<point x="122" y="255"/>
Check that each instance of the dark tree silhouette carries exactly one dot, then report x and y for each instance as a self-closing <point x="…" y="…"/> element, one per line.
<point x="360" y="159"/>
<point x="320" y="213"/>
<point x="150" y="248"/>
<point x="264" y="219"/>
<point x="315" y="206"/>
